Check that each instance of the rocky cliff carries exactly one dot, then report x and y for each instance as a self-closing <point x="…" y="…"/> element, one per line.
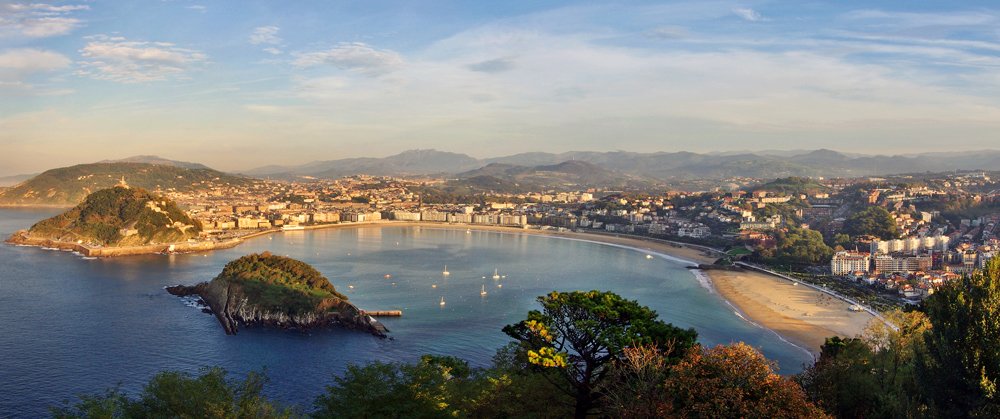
<point x="241" y="297"/>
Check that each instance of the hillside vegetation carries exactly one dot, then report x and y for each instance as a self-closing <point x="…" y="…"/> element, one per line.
<point x="279" y="283"/>
<point x="68" y="186"/>
<point x="120" y="217"/>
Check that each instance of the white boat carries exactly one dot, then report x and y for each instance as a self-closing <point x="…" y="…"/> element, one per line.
<point x="483" y="292"/>
<point x="649" y="256"/>
<point x="496" y="273"/>
<point x="442" y="301"/>
<point x="499" y="285"/>
<point x="445" y="272"/>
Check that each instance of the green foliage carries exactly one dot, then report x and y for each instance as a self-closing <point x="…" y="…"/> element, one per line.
<point x="180" y="395"/>
<point x="793" y="186"/>
<point x="591" y="329"/>
<point x="960" y="368"/>
<point x="101" y="216"/>
<point x="842" y="380"/>
<point x="279" y="283"/>
<point x="797" y="246"/>
<point x="872" y="221"/>
<point x="70" y="185"/>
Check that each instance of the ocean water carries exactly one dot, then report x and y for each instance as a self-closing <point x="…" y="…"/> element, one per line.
<point x="70" y="326"/>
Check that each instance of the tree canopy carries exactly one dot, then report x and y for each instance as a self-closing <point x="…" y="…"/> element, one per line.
<point x="174" y="394"/>
<point x="961" y="366"/>
<point x="582" y="333"/>
<point x="872" y="221"/>
<point x="734" y="381"/>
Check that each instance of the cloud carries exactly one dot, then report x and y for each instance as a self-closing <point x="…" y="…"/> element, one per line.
<point x="667" y="32"/>
<point x="356" y="56"/>
<point x="496" y="65"/>
<point x="265" y="35"/>
<point x="915" y="20"/>
<point x="32" y="60"/>
<point x="121" y="60"/>
<point x="272" y="51"/>
<point x="197" y="8"/>
<point x="18" y="66"/>
<point x="37" y="20"/>
<point x="749" y="14"/>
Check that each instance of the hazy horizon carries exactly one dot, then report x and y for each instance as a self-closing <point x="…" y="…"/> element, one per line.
<point x="241" y="85"/>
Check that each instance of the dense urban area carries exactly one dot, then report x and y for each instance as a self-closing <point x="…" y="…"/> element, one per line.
<point x="883" y="241"/>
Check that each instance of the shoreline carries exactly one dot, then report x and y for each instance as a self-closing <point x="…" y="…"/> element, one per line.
<point x="800" y="316"/>
<point x="803" y="316"/>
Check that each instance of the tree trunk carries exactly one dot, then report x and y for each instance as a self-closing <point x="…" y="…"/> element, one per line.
<point x="583" y="402"/>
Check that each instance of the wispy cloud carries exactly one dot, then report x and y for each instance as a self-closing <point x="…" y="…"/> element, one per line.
<point x="496" y="65"/>
<point x="38" y="20"/>
<point x="18" y="66"/>
<point x="667" y="32"/>
<point x="356" y="56"/>
<point x="197" y="8"/>
<point x="749" y="14"/>
<point x="915" y="20"/>
<point x="265" y="35"/>
<point x="119" y="59"/>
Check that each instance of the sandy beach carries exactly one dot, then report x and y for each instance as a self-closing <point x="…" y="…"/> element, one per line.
<point x="802" y="315"/>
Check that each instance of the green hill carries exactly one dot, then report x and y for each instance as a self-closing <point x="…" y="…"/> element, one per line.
<point x="279" y="283"/>
<point x="275" y="291"/>
<point x="119" y="217"/>
<point x="68" y="186"/>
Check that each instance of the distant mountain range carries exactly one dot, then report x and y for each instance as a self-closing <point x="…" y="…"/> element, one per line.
<point x="516" y="173"/>
<point x="662" y="166"/>
<point x="407" y="163"/>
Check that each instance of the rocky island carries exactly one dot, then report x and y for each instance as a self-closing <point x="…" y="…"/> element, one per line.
<point x="275" y="291"/>
<point x="120" y="221"/>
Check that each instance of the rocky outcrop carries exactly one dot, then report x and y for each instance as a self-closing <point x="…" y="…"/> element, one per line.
<point x="232" y="307"/>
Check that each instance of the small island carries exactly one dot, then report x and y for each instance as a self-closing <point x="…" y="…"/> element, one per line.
<point x="120" y="221"/>
<point x="275" y="291"/>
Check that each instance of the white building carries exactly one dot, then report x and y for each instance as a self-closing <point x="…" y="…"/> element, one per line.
<point x="846" y="262"/>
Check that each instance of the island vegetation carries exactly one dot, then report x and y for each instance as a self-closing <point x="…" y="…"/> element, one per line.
<point x="119" y="216"/>
<point x="270" y="290"/>
<point x="938" y="360"/>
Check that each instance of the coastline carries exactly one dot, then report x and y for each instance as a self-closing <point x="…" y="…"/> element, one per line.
<point x="802" y="316"/>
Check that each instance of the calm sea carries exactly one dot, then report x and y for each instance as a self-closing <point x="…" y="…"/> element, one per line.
<point x="70" y="326"/>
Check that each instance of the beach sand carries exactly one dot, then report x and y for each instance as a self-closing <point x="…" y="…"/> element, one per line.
<point x="804" y="316"/>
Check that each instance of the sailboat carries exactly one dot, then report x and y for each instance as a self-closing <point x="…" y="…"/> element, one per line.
<point x="496" y="273"/>
<point x="445" y="272"/>
<point x="483" y="292"/>
<point x="442" y="300"/>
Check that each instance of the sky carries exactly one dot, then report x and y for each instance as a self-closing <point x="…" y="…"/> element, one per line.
<point x="241" y="84"/>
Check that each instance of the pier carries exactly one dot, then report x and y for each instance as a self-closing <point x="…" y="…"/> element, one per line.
<point x="385" y="313"/>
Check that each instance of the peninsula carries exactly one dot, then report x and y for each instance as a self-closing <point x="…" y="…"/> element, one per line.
<point x="120" y="221"/>
<point x="275" y="291"/>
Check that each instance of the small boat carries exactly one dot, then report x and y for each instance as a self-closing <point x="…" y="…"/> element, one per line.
<point x="649" y="256"/>
<point x="496" y="273"/>
<point x="445" y="271"/>
<point x="499" y="285"/>
<point x="442" y="301"/>
<point x="387" y="276"/>
<point x="350" y="286"/>
<point x="434" y="285"/>
<point x="483" y="292"/>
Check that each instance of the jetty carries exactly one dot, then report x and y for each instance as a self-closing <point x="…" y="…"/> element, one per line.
<point x="384" y="313"/>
